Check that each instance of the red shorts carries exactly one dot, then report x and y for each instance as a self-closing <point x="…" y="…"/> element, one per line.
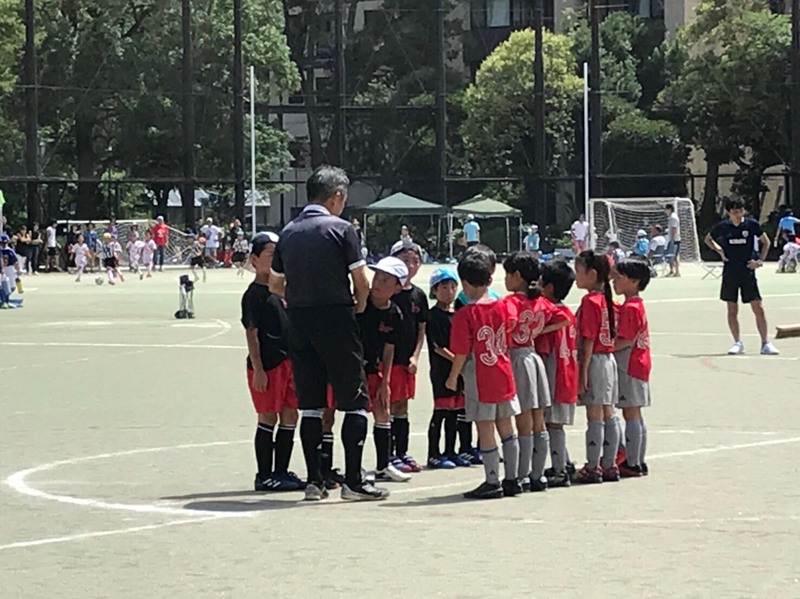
<point x="279" y="393"/>
<point x="403" y="384"/>
<point x="454" y="402"/>
<point x="373" y="384"/>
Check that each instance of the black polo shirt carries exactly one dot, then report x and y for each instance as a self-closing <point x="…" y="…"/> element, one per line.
<point x="379" y="327"/>
<point x="739" y="243"/>
<point x="316" y="253"/>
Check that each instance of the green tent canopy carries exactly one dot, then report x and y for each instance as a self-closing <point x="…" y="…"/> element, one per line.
<point x="482" y="207"/>
<point x="405" y="205"/>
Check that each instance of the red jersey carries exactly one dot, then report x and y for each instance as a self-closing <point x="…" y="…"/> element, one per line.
<point x="532" y="315"/>
<point x="593" y="322"/>
<point x="633" y="327"/>
<point x="565" y="343"/>
<point x="481" y="329"/>
<point x="160" y="234"/>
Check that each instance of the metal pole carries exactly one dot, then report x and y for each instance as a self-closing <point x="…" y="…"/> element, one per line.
<point x="794" y="93"/>
<point x="340" y="84"/>
<point x="539" y="141"/>
<point x="253" y="148"/>
<point x="441" y="103"/>
<point x="595" y="106"/>
<point x="586" y="149"/>
<point x="238" y="111"/>
<point x="187" y="75"/>
<point x="31" y="115"/>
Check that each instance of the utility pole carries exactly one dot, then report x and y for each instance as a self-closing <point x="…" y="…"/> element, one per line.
<point x="238" y="113"/>
<point x="340" y="99"/>
<point x="187" y="77"/>
<point x="794" y="94"/>
<point x="31" y="114"/>
<point x="441" y="104"/>
<point x="539" y="140"/>
<point x="595" y="104"/>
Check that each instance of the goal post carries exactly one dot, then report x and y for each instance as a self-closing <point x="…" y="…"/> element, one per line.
<point x="619" y="219"/>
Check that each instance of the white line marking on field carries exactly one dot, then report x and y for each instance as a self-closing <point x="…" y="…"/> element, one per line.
<point x="17" y="481"/>
<point x="123" y="345"/>
<point x="105" y="533"/>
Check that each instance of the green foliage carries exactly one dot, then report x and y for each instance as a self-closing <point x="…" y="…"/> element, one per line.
<point x="498" y="127"/>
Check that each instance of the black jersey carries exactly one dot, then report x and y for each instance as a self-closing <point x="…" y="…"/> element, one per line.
<point x="414" y="306"/>
<point x="378" y="328"/>
<point x="738" y="242"/>
<point x="263" y="311"/>
<point x="438" y="334"/>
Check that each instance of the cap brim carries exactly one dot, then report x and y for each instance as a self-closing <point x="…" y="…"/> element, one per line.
<point x="378" y="268"/>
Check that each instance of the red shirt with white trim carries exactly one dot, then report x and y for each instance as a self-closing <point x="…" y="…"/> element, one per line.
<point x="481" y="329"/>
<point x="633" y="327"/>
<point x="532" y="316"/>
<point x="593" y="322"/>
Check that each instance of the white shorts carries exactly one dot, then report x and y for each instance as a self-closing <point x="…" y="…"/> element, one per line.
<point x="603" y="382"/>
<point x="530" y="377"/>
<point x="560" y="413"/>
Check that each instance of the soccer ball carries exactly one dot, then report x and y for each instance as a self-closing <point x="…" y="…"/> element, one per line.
<point x="98" y="281"/>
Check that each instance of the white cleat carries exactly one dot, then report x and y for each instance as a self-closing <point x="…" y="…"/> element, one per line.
<point x="767" y="349"/>
<point x="390" y="473"/>
<point x="736" y="349"/>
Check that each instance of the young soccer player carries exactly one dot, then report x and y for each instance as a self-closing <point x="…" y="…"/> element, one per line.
<point x="148" y="254"/>
<point x="134" y="252"/>
<point x="111" y="251"/>
<point x="240" y="249"/>
<point x="380" y="323"/>
<point x="479" y="340"/>
<point x="269" y="374"/>
<point x="446" y="403"/>
<point x="559" y="351"/>
<point x="198" y="256"/>
<point x="80" y="251"/>
<point x="633" y="362"/>
<point x="597" y="374"/>
<point x="414" y="305"/>
<point x="534" y="312"/>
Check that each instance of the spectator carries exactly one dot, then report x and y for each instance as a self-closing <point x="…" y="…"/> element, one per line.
<point x="52" y="247"/>
<point x="533" y="241"/>
<point x="405" y="236"/>
<point x="161" y="237"/>
<point x="674" y="238"/>
<point x="580" y="234"/>
<point x="34" y="250"/>
<point x="362" y="240"/>
<point x="22" y="247"/>
<point x="658" y="244"/>
<point x="472" y="231"/>
<point x="786" y="226"/>
<point x="212" y="233"/>
<point x="642" y="246"/>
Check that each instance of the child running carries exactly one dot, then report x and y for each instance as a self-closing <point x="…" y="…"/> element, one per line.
<point x="240" y="249"/>
<point x="134" y="252"/>
<point x="446" y="403"/>
<point x="479" y="341"/>
<point x="111" y="251"/>
<point x="414" y="305"/>
<point x="534" y="312"/>
<point x="198" y="257"/>
<point x="633" y="362"/>
<point x="81" y="253"/>
<point x="559" y="351"/>
<point x="597" y="375"/>
<point x="380" y="323"/>
<point x="148" y="254"/>
<point x="269" y="374"/>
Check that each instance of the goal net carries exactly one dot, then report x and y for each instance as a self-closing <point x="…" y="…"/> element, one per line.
<point x="613" y="219"/>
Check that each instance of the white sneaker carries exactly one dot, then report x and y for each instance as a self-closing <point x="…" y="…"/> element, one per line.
<point x="767" y="349"/>
<point x="736" y="349"/>
<point x="390" y="473"/>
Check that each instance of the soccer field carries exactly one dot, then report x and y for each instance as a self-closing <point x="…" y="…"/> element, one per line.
<point x="127" y="464"/>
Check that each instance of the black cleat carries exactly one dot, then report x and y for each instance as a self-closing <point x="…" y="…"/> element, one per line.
<point x="485" y="491"/>
<point x="366" y="491"/>
<point x="511" y="487"/>
<point x="559" y="479"/>
<point x="537" y="486"/>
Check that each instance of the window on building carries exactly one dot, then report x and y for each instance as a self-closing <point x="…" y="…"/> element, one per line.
<point x="651" y="9"/>
<point x="498" y="13"/>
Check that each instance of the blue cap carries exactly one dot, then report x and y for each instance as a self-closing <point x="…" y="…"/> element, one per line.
<point x="3" y="237"/>
<point x="442" y="274"/>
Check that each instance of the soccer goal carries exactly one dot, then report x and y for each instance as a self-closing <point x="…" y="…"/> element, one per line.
<point x="619" y="219"/>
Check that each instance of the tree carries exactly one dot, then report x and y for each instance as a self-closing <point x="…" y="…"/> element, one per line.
<point x="499" y="107"/>
<point x="729" y="96"/>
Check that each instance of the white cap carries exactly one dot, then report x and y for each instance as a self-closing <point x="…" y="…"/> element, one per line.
<point x="393" y="266"/>
<point x="470" y="217"/>
<point x="641" y="233"/>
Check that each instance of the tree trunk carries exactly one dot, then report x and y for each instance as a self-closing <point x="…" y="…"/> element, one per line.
<point x="708" y="209"/>
<point x="87" y="162"/>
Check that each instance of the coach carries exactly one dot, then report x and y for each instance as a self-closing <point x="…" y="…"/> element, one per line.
<point x="743" y="246"/>
<point x="316" y="258"/>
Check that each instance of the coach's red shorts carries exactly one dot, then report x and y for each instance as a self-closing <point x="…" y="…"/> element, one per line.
<point x="403" y="384"/>
<point x="453" y="402"/>
<point x="279" y="393"/>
